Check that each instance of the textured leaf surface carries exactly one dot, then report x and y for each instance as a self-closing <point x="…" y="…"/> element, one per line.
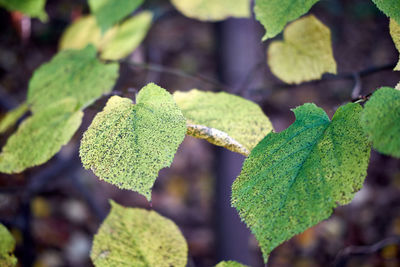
<point x="395" y="33"/>
<point x="293" y="179"/>
<point x="109" y="12"/>
<point x="40" y="136"/>
<point x="7" y="245"/>
<point x="230" y="264"/>
<point x="140" y="238"/>
<point x="127" y="144"/>
<point x="381" y="121"/>
<point x="213" y="10"/>
<point x="390" y="7"/>
<point x="223" y="119"/>
<point x="72" y="73"/>
<point x="11" y="118"/>
<point x="275" y="14"/>
<point x="32" y="8"/>
<point x="305" y="54"/>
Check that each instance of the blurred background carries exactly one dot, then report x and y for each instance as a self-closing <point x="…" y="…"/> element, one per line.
<point x="54" y="210"/>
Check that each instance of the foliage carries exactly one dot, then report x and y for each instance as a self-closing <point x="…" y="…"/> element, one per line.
<point x="304" y="54"/>
<point x="41" y="136"/>
<point x="390" y="7"/>
<point x="7" y="245"/>
<point x="380" y="120"/>
<point x="136" y="237"/>
<point x="275" y="14"/>
<point x="229" y="264"/>
<point x="213" y="10"/>
<point x="109" y="12"/>
<point x="128" y="144"/>
<point x="292" y="180"/>
<point x="395" y="33"/>
<point x="219" y="114"/>
<point x="32" y="8"/>
<point x="12" y="117"/>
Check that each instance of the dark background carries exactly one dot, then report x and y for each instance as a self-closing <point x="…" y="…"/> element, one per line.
<point x="55" y="209"/>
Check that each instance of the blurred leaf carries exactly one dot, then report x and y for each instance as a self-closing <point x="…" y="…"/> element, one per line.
<point x="213" y="10"/>
<point x="72" y="73"/>
<point x="12" y="117"/>
<point x="110" y="12"/>
<point x="275" y="14"/>
<point x="224" y="119"/>
<point x="137" y="237"/>
<point x="7" y="245"/>
<point x="40" y="136"/>
<point x="305" y="54"/>
<point x="381" y="121"/>
<point x="391" y="8"/>
<point x="230" y="264"/>
<point x="293" y="179"/>
<point x="127" y="145"/>
<point x="127" y="37"/>
<point x="395" y="33"/>
<point x="32" y="8"/>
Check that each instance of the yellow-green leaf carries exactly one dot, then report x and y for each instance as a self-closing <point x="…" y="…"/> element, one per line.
<point x="7" y="245"/>
<point x="140" y="238"/>
<point x="32" y="8"/>
<point x="224" y="119"/>
<point x="71" y="73"/>
<point x="213" y="10"/>
<point x="41" y="136"/>
<point x="127" y="37"/>
<point x="110" y="12"/>
<point x="381" y="121"/>
<point x="11" y="118"/>
<point x="275" y="14"/>
<point x="395" y="33"/>
<point x="128" y="144"/>
<point x="304" y="54"/>
<point x="292" y="180"/>
<point x="230" y="264"/>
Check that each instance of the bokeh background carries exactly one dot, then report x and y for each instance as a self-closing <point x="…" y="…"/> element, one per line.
<point x="55" y="209"/>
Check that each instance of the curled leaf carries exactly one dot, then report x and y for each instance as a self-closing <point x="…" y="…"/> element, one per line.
<point x="11" y="118"/>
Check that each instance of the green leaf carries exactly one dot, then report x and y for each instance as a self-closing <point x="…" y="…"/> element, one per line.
<point x="223" y="119"/>
<point x="127" y="37"/>
<point x="116" y="43"/>
<point x="395" y="33"/>
<point x="293" y="179"/>
<point x="32" y="8"/>
<point x="110" y="12"/>
<point x="390" y="7"/>
<point x="305" y="54"/>
<point x="11" y="118"/>
<point x="72" y="73"/>
<point x="230" y="264"/>
<point x="213" y="10"/>
<point x="7" y="245"/>
<point x="137" y="237"/>
<point x="41" y="136"/>
<point x="127" y="145"/>
<point x="381" y="121"/>
<point x="275" y="14"/>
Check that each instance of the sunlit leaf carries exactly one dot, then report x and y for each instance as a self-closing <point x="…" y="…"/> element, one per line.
<point x="11" y="118"/>
<point x="224" y="119"/>
<point x="72" y="73"/>
<point x="7" y="245"/>
<point x="381" y="121"/>
<point x="304" y="54"/>
<point x="32" y="8"/>
<point x="110" y="12"/>
<point x="140" y="238"/>
<point x="41" y="136"/>
<point x="275" y="14"/>
<point x="230" y="264"/>
<point x="293" y="179"/>
<point x="390" y="7"/>
<point x="395" y="33"/>
<point x="128" y="144"/>
<point x="213" y="10"/>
